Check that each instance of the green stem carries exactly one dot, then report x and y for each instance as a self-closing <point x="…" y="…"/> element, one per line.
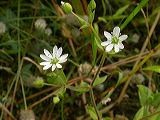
<point x="99" y="68"/>
<point x="74" y="63"/>
<point x="23" y="92"/>
<point x="82" y="21"/>
<point x="47" y="84"/>
<point x="62" y="114"/>
<point x="98" y="41"/>
<point x="91" y="90"/>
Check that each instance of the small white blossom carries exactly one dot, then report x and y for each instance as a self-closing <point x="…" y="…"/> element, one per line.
<point x="114" y="40"/>
<point x="40" y="24"/>
<point x="62" y="3"/>
<point x="54" y="59"/>
<point x="105" y="101"/>
<point x="2" y="28"/>
<point x="48" y="31"/>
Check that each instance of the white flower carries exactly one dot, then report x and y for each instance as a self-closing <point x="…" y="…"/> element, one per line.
<point x="62" y="3"/>
<point x="54" y="59"/>
<point x="40" y="24"/>
<point x="105" y="101"/>
<point x="48" y="31"/>
<point x="114" y="40"/>
<point x="2" y="28"/>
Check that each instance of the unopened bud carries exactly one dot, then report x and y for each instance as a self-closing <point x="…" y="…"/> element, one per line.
<point x="56" y="100"/>
<point x="48" y="31"/>
<point x="66" y="7"/>
<point x="38" y="82"/>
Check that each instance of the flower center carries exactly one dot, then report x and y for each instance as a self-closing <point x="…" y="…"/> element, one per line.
<point x="54" y="61"/>
<point x="115" y="40"/>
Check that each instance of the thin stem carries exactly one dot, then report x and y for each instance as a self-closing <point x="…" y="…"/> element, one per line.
<point x="7" y="111"/>
<point x="74" y="63"/>
<point x="62" y="114"/>
<point x="99" y="68"/>
<point x="47" y="84"/>
<point x="82" y="21"/>
<point x="91" y="90"/>
<point x="23" y="92"/>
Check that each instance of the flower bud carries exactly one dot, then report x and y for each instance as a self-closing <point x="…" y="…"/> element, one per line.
<point x="56" y="100"/>
<point x="66" y="7"/>
<point x="38" y="82"/>
<point x="2" y="28"/>
<point x="27" y="115"/>
<point x="48" y="31"/>
<point x="40" y="24"/>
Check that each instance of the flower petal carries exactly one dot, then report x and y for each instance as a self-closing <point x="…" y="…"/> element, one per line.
<point x="47" y="66"/>
<point x="53" y="67"/>
<point x="123" y="37"/>
<point x="47" y="53"/>
<point x="55" y="51"/>
<point x="116" y="31"/>
<point x="62" y="61"/>
<point x="44" y="63"/>
<point x="121" y="46"/>
<point x="59" y="65"/>
<point x="105" y="43"/>
<point x="45" y="57"/>
<point x="109" y="48"/>
<point x="63" y="57"/>
<point x="59" y="52"/>
<point x="107" y="35"/>
<point x="116" y="48"/>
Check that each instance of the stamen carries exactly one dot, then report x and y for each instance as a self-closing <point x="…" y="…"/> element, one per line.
<point x="115" y="40"/>
<point x="54" y="61"/>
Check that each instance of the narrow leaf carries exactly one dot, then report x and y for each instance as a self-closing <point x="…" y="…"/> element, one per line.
<point x="83" y="87"/>
<point x="155" y="68"/>
<point x="91" y="111"/>
<point x="121" y="10"/>
<point x="134" y="13"/>
<point x="99" y="80"/>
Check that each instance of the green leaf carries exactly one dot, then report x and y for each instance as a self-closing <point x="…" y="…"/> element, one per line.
<point x="134" y="13"/>
<point x="121" y="10"/>
<point x="84" y="26"/>
<point x="120" y="78"/>
<point x="139" y="114"/>
<point x="99" y="80"/>
<point x="155" y="99"/>
<point x="91" y="11"/>
<point x="91" y="111"/>
<point x="82" y="21"/>
<point x="83" y="87"/>
<point x="144" y="95"/>
<point x="155" y="68"/>
<point x="94" y="49"/>
<point x="58" y="78"/>
<point x="60" y="92"/>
